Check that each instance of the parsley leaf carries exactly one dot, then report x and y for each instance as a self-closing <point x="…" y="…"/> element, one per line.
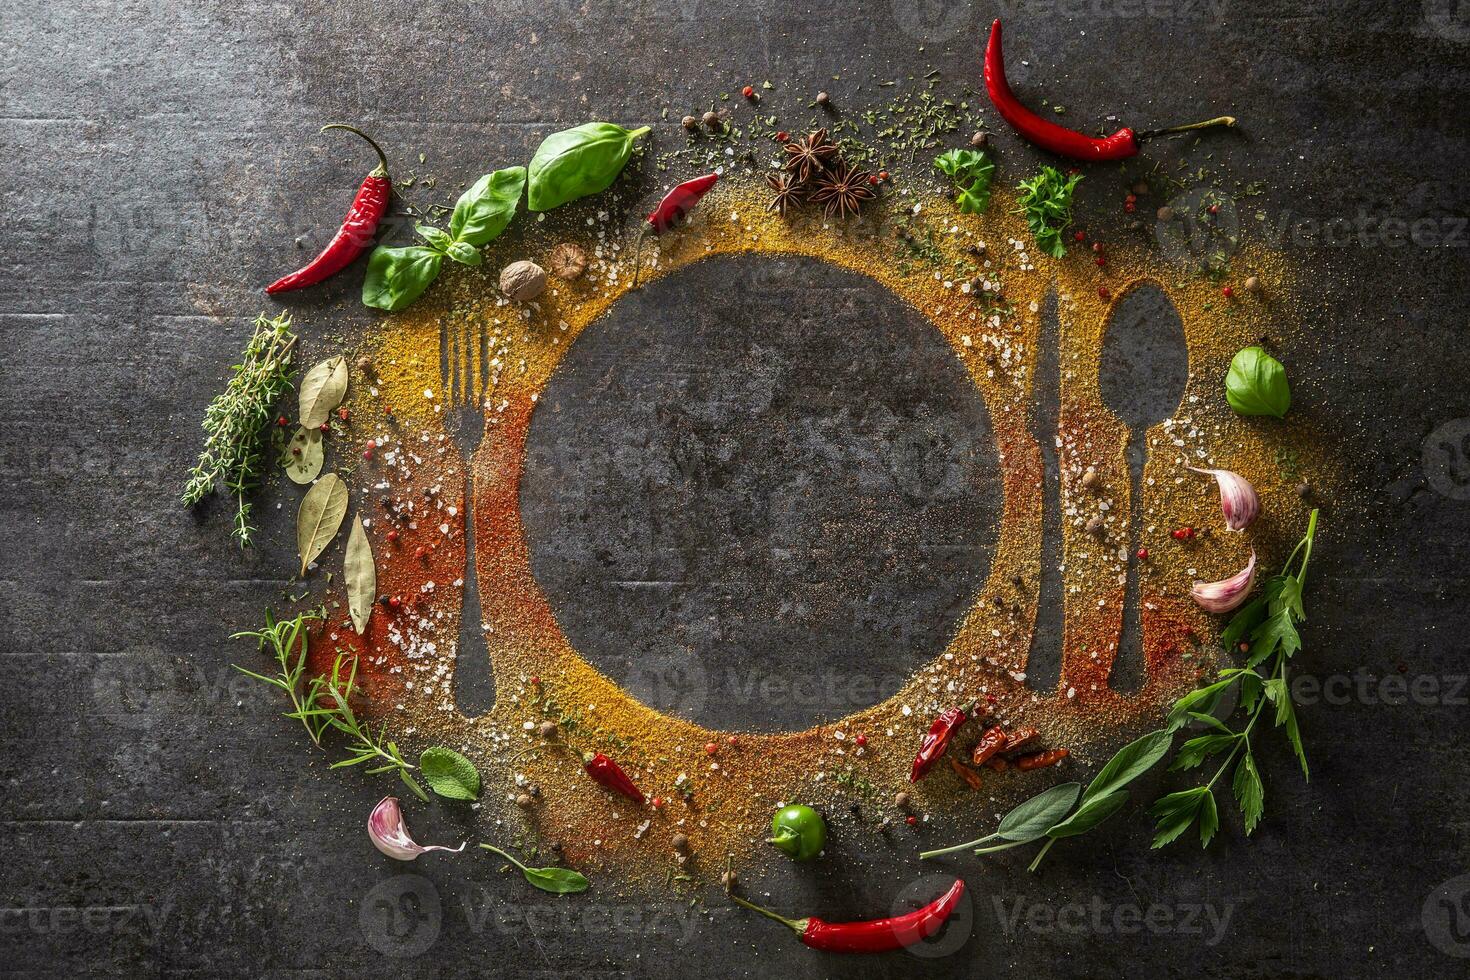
<point x="972" y="172"/>
<point x="1046" y="200"/>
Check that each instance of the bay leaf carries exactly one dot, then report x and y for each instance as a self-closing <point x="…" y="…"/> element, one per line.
<point x="319" y="517"/>
<point x="322" y="390"/>
<point x="361" y="575"/>
<point x="303" y="455"/>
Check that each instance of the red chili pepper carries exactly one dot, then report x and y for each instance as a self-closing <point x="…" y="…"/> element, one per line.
<point x="606" y="773"/>
<point x="1059" y="139"/>
<point x="357" y="230"/>
<point x="873" y="936"/>
<point x="675" y="205"/>
<point x="934" y="744"/>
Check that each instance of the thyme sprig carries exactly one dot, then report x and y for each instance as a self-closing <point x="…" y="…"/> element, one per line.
<point x="234" y="454"/>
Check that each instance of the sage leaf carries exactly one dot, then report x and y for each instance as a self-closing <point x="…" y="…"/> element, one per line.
<point x="322" y="390"/>
<point x="361" y="575"/>
<point x="1091" y="813"/>
<point x="483" y="211"/>
<point x="303" y="455"/>
<point x="398" y="276"/>
<point x="450" y="774"/>
<point x="1256" y="384"/>
<point x="1034" y="817"/>
<point x="576" y="162"/>
<point x="319" y="517"/>
<point x="558" y="881"/>
<point x="1128" y="763"/>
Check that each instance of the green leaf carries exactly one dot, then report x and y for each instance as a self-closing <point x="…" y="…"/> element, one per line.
<point x="1032" y="818"/>
<point x="1256" y="384"/>
<point x="1046" y="200"/>
<point x="558" y="881"/>
<point x="1275" y="631"/>
<point x="408" y="781"/>
<point x="576" y="162"/>
<point x="1280" y="695"/>
<point x="398" y="276"/>
<point x="361" y="576"/>
<point x="961" y="164"/>
<point x="1128" y="763"/>
<point x="1195" y="751"/>
<point x="304" y="455"/>
<point x="1089" y="815"/>
<point x="1251" y="685"/>
<point x="319" y="517"/>
<point x="972" y="173"/>
<point x="1250" y="793"/>
<point x="974" y="199"/>
<point x="1209" y="819"/>
<point x="436" y="237"/>
<point x="1193" y="701"/>
<point x="464" y="253"/>
<point x="1248" y="617"/>
<point x="1289" y="598"/>
<point x="450" y="774"/>
<point x="1174" y="813"/>
<point x="484" y="211"/>
<point x="322" y="390"/>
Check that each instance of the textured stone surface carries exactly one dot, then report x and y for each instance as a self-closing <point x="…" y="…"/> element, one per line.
<point x="162" y="820"/>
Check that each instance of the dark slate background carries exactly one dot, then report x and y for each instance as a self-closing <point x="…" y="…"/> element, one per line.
<point x="160" y="820"/>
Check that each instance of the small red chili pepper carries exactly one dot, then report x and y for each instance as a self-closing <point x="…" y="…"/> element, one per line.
<point x="934" y="744"/>
<point x="606" y="773"/>
<point x="357" y="230"/>
<point x="875" y="935"/>
<point x="990" y="743"/>
<point x="1040" y="760"/>
<point x="675" y="205"/>
<point x="1059" y="139"/>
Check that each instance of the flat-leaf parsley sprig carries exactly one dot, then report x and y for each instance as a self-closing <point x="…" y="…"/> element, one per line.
<point x="1046" y="201"/>
<point x="1265" y="630"/>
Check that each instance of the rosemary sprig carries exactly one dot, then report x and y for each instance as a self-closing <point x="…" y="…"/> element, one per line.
<point x="365" y="745"/>
<point x="325" y="702"/>
<point x="234" y="454"/>
<point x="281" y="638"/>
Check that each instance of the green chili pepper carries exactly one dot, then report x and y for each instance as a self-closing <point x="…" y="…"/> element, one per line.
<point x="576" y="162"/>
<point x="799" y="831"/>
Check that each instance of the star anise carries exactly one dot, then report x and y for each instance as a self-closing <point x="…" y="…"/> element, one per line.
<point x="807" y="157"/>
<point x="789" y="192"/>
<point x="843" y="189"/>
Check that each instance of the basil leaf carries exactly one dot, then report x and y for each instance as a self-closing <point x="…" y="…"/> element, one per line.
<point x="450" y="774"/>
<point x="558" y="881"/>
<point x="398" y="276"/>
<point x="1256" y="384"/>
<point x="436" y="237"/>
<point x="1032" y="818"/>
<point x="483" y="211"/>
<point x="464" y="253"/>
<point x="1089" y="815"/>
<point x="576" y="162"/>
<point x="1128" y="763"/>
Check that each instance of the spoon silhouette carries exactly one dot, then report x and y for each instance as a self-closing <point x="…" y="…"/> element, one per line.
<point x="1141" y="374"/>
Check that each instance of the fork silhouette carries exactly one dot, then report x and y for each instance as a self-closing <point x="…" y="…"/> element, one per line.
<point x="463" y="371"/>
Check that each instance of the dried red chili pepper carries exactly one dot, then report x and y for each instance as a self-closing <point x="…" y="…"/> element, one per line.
<point x="970" y="776"/>
<point x="940" y="732"/>
<point x="1040" y="760"/>
<point x="1019" y="738"/>
<point x="875" y="935"/>
<point x="1059" y="139"/>
<point x="357" y="230"/>
<point x="606" y="772"/>
<point x="676" y="204"/>
<point x="990" y="743"/>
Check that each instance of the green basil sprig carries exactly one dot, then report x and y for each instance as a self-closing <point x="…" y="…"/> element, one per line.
<point x="398" y="276"/>
<point x="579" y="161"/>
<point x="1256" y="384"/>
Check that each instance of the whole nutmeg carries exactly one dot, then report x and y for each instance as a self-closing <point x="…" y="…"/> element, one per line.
<point x="523" y="281"/>
<point x="567" y="261"/>
<point x="690" y="123"/>
<point x="681" y="843"/>
<point x="547" y="729"/>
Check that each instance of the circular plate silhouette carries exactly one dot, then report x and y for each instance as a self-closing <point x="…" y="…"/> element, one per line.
<point x="760" y="492"/>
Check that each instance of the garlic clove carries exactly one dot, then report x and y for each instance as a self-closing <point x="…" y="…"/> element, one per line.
<point x="389" y="834"/>
<point x="1226" y="594"/>
<point x="1238" y="500"/>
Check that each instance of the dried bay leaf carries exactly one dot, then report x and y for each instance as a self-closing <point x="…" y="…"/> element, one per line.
<point x="361" y="575"/>
<point x="322" y="390"/>
<point x="303" y="455"/>
<point x="321" y="513"/>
